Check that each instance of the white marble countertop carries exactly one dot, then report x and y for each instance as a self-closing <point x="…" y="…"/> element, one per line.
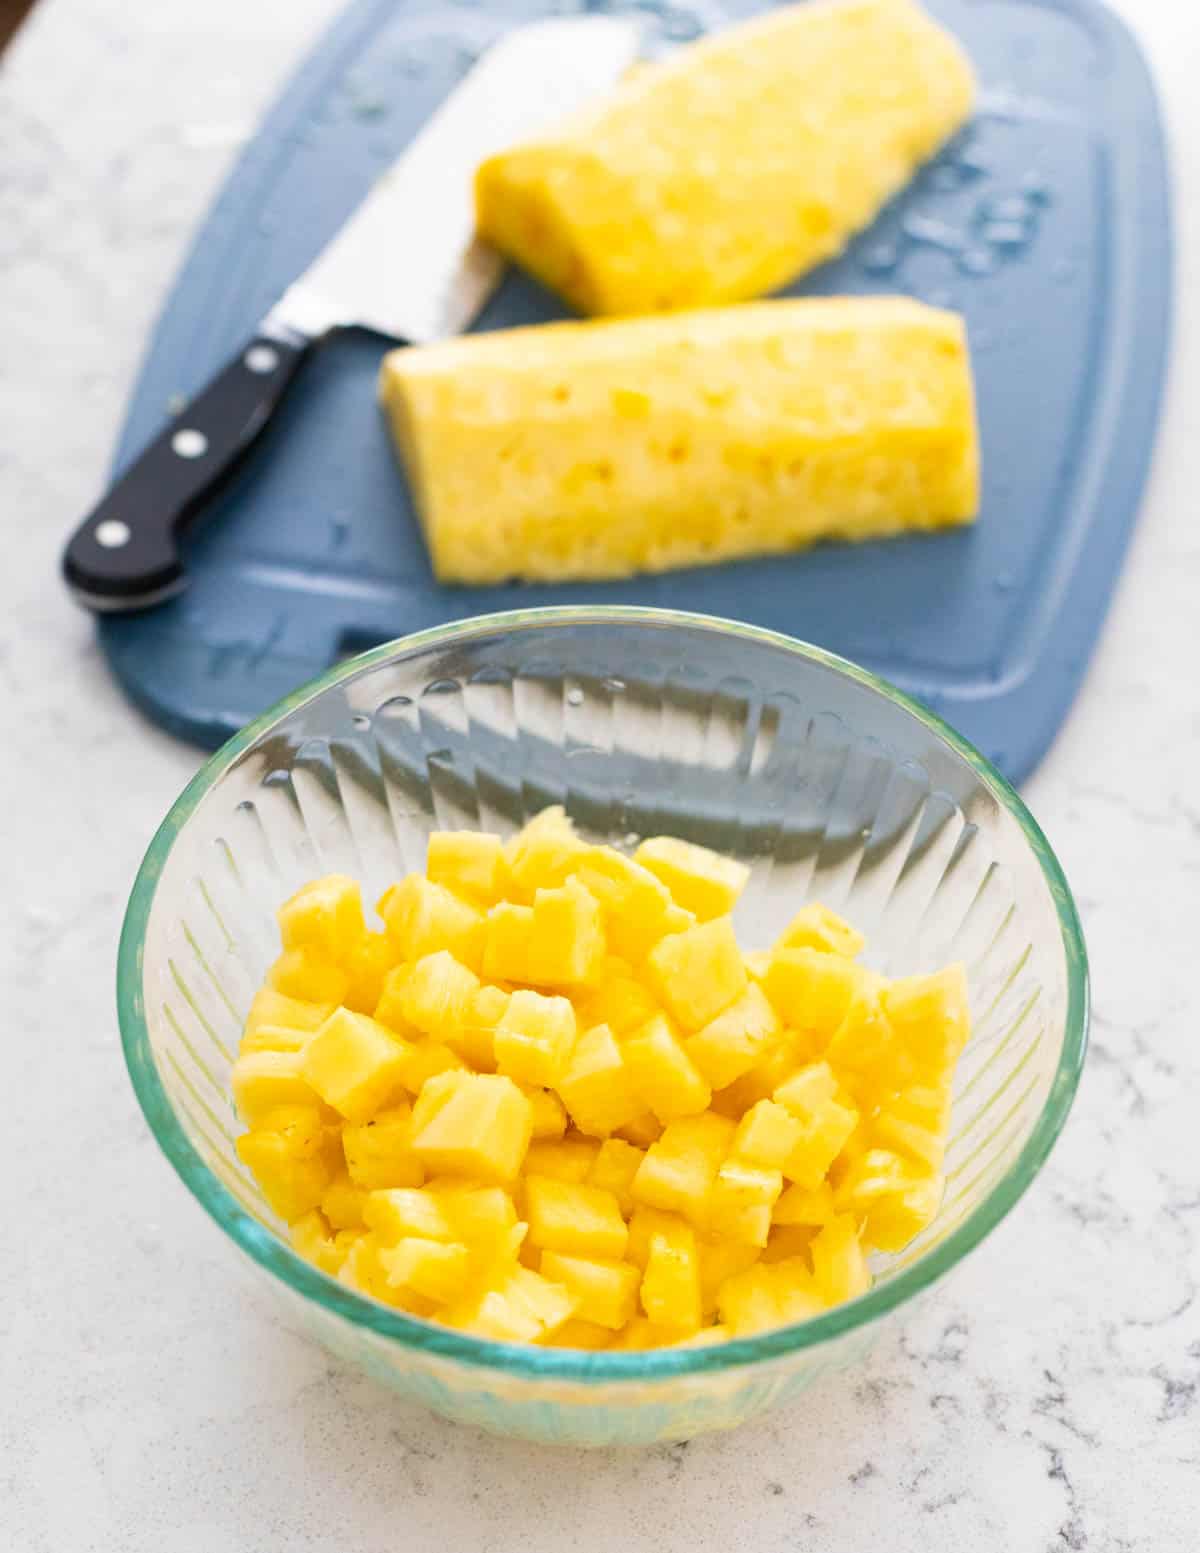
<point x="1047" y="1398"/>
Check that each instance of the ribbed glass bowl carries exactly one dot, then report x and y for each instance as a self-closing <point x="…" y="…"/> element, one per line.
<point x="828" y="783"/>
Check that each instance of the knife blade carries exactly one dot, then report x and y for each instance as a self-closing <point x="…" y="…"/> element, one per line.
<point x="125" y="554"/>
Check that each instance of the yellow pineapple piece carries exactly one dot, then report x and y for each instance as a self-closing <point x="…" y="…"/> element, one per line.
<point x="543" y="854"/>
<point x="617" y="1000"/>
<point x="304" y="977"/>
<point x="736" y="1040"/>
<point x="389" y="1010"/>
<point x="272" y="1010"/>
<point x="786" y="1242"/>
<point x="698" y="973"/>
<point x="839" y="1266"/>
<point x="767" y="1135"/>
<point x="757" y="963"/>
<point x="355" y="1064"/>
<point x="535" y="1036"/>
<point x="567" y="946"/>
<point x="678" y="1171"/>
<point x="662" y="1074"/>
<point x="892" y="1198"/>
<point x="549" y="1115"/>
<point x="596" y="1087"/>
<point x="636" y="905"/>
<point x="484" y="1218"/>
<point x="422" y="917"/>
<point x="769" y="1294"/>
<point x="343" y="1202"/>
<point x="434" y="1269"/>
<point x="474" y="1039"/>
<point x="576" y="1219"/>
<point x="741" y="1200"/>
<point x="605" y="1291"/>
<point x="614" y="1168"/>
<point x="670" y="1289"/>
<point x="368" y="963"/>
<point x="379" y="1152"/>
<point x="719" y="1261"/>
<point x="438" y="995"/>
<point x="642" y="1333"/>
<point x="481" y="1132"/>
<point x="430" y="1059"/>
<point x="805" y="1205"/>
<point x="471" y="863"/>
<point x="791" y="1050"/>
<point x="262" y="1081"/>
<point x="931" y="1016"/>
<point x="701" y="881"/>
<point x="915" y="1124"/>
<point x="642" y="1131"/>
<point x="507" y="943"/>
<point x="569" y="1159"/>
<point x="645" y="1223"/>
<point x="771" y="426"/>
<point x="396" y="1213"/>
<point x="293" y="1175"/>
<point x="526" y="1308"/>
<point x="811" y="1097"/>
<point x="812" y="990"/>
<point x="310" y="1236"/>
<point x="816" y="927"/>
<point x="579" y="1334"/>
<point x="325" y="917"/>
<point x="705" y="1338"/>
<point x="363" y="1270"/>
<point x="735" y="165"/>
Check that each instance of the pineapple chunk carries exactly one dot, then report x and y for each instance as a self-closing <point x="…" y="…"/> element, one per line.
<point x="805" y="1205"/>
<point x="735" y="165"/>
<point x="816" y="927"/>
<point x="438" y="995"/>
<point x="433" y="1269"/>
<point x="788" y="1241"/>
<point x="579" y="1220"/>
<point x="527" y="1308"/>
<point x="580" y="1334"/>
<point x="769" y="1295"/>
<point x="741" y="1200"/>
<point x="543" y="854"/>
<point x="311" y="1238"/>
<point x="471" y="863"/>
<point x="534" y="1038"/>
<point x="343" y="1202"/>
<point x="736" y="1040"/>
<point x="870" y="1060"/>
<point x="662" y="1074"/>
<point x="355" y="1064"/>
<point x="567" y="946"/>
<point x="642" y="1131"/>
<point x="698" y="973"/>
<point x="570" y="1159"/>
<point x="839" y="1266"/>
<point x="549" y="1115"/>
<point x="482" y="1131"/>
<point x="767" y="1135"/>
<point x="702" y="882"/>
<point x="324" y="917"/>
<point x="389" y="1010"/>
<point x="771" y="426"/>
<point x="475" y="1038"/>
<point x="617" y="1000"/>
<point x="293" y="1177"/>
<point x="379" y="1152"/>
<point x="645" y="1223"/>
<point x="810" y="1097"/>
<point x="368" y="964"/>
<point x="272" y="1010"/>
<point x="931" y="1015"/>
<point x="893" y="1199"/>
<point x="636" y="905"/>
<point x="812" y="990"/>
<point x="262" y="1081"/>
<point x="483" y="1217"/>
<point x="670" y="1290"/>
<point x="508" y="941"/>
<point x="719" y="1261"/>
<point x="606" y="1292"/>
<point x="596" y="1087"/>
<point x="678" y="1171"/>
<point x="397" y="1213"/>
<point x="642" y="1333"/>
<point x="422" y="917"/>
<point x="614" y="1168"/>
<point x="304" y="977"/>
<point x="430" y="1059"/>
<point x="914" y="1123"/>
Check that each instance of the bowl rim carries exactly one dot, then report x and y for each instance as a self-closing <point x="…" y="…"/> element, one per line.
<point x="525" y="1361"/>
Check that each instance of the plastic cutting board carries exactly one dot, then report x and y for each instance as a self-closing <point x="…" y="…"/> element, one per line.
<point x="1047" y="223"/>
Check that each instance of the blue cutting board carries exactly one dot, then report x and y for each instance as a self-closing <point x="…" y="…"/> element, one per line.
<point x="1047" y="223"/>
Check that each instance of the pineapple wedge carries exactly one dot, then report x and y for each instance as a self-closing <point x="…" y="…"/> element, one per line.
<point x="587" y="450"/>
<point x="735" y="165"/>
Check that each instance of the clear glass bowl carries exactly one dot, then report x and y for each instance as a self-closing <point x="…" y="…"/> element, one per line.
<point x="828" y="782"/>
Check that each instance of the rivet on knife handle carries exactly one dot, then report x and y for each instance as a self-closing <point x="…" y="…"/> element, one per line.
<point x="125" y="554"/>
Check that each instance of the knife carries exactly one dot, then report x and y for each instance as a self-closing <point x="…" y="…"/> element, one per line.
<point x="406" y="265"/>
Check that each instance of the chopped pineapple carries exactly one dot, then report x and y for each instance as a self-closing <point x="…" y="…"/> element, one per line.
<point x="324" y="917"/>
<point x="570" y="1159"/>
<point x="542" y="855"/>
<point x="661" y="1072"/>
<point x="614" y="1168"/>
<point x="535" y="1036"/>
<point x="482" y="1131"/>
<point x="567" y="946"/>
<point x="379" y="1153"/>
<point x="437" y="996"/>
<point x="469" y="862"/>
<point x="343" y="1203"/>
<point x="579" y="1220"/>
<point x="617" y="1000"/>
<point x="812" y="990"/>
<point x="508" y="941"/>
<point x="597" y="1088"/>
<point x="304" y="977"/>
<point x="810" y="1096"/>
<point x="434" y="1269"/>
<point x="736" y="1040"/>
<point x="678" y="1171"/>
<point x="670" y="1290"/>
<point x="422" y="917"/>
<point x="311" y="1237"/>
<point x="262" y="1081"/>
<point x="637" y="906"/>
<point x="767" y="1135"/>
<point x="549" y="1114"/>
<point x="355" y="1064"/>
<point x="271" y="1009"/>
<point x="698" y="973"/>
<point x="839" y="1266"/>
<point x="816" y="927"/>
<point x="605" y="1291"/>
<point x="702" y="882"/>
<point x="368" y="964"/>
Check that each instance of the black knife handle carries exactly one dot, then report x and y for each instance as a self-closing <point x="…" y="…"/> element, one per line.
<point x="125" y="553"/>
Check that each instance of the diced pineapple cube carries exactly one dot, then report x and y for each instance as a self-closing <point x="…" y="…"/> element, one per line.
<point x="596" y="1087"/>
<point x="542" y="855"/>
<point x="390" y="1008"/>
<point x="355" y="1064"/>
<point x="483" y="1217"/>
<point x="580" y="1334"/>
<point x="605" y="1291"/>
<point x="645" y="1223"/>
<point x="806" y="1205"/>
<point x="698" y="973"/>
<point x="379" y="1152"/>
<point x="430" y="1059"/>
<point x="924" y="1144"/>
<point x="262" y="1081"/>
<point x="507" y="943"/>
<point x="741" y="1200"/>
<point x="438" y="995"/>
<point x="292" y="1180"/>
<point x="737" y="1039"/>
<point x="570" y="1159"/>
<point x="325" y="916"/>
<point x="343" y="1203"/>
<point x="570" y="1217"/>
<point x="816" y="927"/>
<point x="434" y="1269"/>
<point x="549" y="1115"/>
<point x="364" y="1271"/>
<point x="720" y="1260"/>
<point x="767" y="1135"/>
<point x="642" y="1333"/>
<point x="706" y="1337"/>
<point x="474" y="1039"/>
<point x="635" y="904"/>
<point x="812" y="990"/>
<point x="769" y="1295"/>
<point x="567" y="946"/>
<point x="422" y="917"/>
<point x="678" y="1171"/>
<point x="670" y="1290"/>
<point x="533" y="1041"/>
<point x="304" y="977"/>
<point x="661" y="1072"/>
<point x="642" y="1131"/>
<point x="757" y="963"/>
<point x="839" y="1266"/>
<point x="788" y="1241"/>
<point x="483" y="1131"/>
<point x="931" y="1015"/>
<point x="271" y="1009"/>
<point x="617" y="1000"/>
<point x="810" y="1097"/>
<point x="700" y="881"/>
<point x="893" y="1199"/>
<point x="527" y="1308"/>
<point x="368" y="964"/>
<point x="311" y="1238"/>
<point x="869" y="1058"/>
<point x="614" y="1167"/>
<point x="471" y="863"/>
<point x="396" y="1213"/>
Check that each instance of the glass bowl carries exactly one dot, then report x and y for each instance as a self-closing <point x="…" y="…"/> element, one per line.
<point x="829" y="783"/>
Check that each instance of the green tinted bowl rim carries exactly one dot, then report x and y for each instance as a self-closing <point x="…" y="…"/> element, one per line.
<point x="528" y="1362"/>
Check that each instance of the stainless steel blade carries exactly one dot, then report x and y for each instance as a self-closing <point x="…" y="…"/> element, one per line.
<point x="407" y="263"/>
